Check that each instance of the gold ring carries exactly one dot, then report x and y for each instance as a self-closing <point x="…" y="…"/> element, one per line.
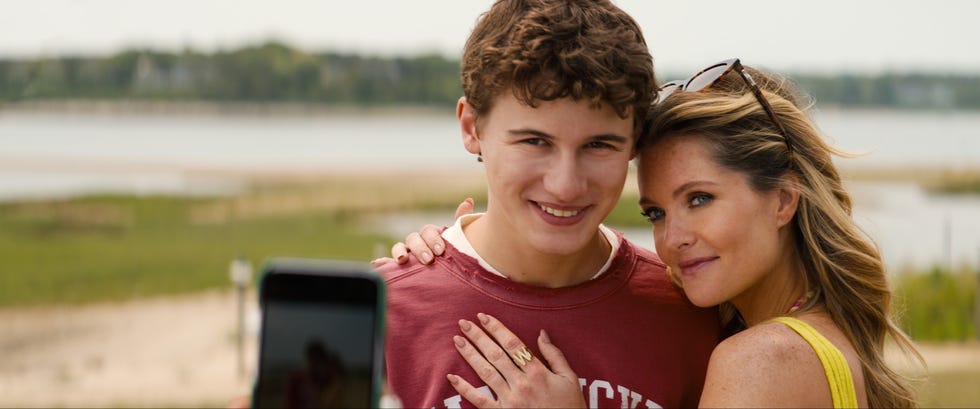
<point x="522" y="356"/>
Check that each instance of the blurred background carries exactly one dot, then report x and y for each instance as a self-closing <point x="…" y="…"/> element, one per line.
<point x="148" y="147"/>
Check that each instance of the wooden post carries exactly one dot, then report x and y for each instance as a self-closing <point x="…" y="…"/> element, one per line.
<point x="948" y="242"/>
<point x="240" y="272"/>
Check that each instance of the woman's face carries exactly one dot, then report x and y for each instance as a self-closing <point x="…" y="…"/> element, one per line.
<point x="717" y="234"/>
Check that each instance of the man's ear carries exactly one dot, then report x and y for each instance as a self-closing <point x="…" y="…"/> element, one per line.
<point x="789" y="199"/>
<point x="467" y="126"/>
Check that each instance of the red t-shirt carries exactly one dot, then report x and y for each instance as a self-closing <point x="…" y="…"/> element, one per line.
<point x="631" y="336"/>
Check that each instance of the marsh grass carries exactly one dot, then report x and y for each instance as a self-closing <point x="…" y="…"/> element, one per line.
<point x="943" y="180"/>
<point x="938" y="304"/>
<point x="118" y="247"/>
<point x="154" y="248"/>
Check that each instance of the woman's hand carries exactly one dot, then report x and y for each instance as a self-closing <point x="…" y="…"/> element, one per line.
<point x="507" y="366"/>
<point x="426" y="243"/>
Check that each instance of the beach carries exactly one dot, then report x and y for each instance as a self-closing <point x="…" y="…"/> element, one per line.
<point x="173" y="351"/>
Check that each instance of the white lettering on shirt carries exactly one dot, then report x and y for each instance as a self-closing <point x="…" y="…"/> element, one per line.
<point x="630" y="399"/>
<point x="653" y="405"/>
<point x="453" y="402"/>
<point x="596" y="388"/>
<point x="594" y="392"/>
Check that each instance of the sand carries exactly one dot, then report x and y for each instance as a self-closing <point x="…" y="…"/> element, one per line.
<point x="167" y="351"/>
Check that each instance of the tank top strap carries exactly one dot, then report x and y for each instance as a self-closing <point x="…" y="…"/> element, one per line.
<point x="834" y="364"/>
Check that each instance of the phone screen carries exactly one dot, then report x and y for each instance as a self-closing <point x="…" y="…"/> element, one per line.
<point x="320" y="337"/>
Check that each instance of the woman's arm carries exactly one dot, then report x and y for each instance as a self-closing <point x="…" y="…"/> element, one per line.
<point x="518" y="378"/>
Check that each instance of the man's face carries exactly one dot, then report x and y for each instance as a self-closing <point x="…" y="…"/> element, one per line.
<point x="554" y="172"/>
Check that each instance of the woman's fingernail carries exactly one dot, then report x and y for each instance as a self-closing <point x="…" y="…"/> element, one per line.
<point x="437" y="248"/>
<point x="426" y="257"/>
<point x="484" y="318"/>
<point x="458" y="340"/>
<point x="464" y="325"/>
<point x="544" y="337"/>
<point x="453" y="379"/>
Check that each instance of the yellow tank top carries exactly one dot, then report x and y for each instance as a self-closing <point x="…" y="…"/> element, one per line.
<point x="834" y="364"/>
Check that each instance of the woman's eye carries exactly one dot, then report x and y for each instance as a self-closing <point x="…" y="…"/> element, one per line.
<point x="533" y="141"/>
<point x="653" y="214"/>
<point x="701" y="199"/>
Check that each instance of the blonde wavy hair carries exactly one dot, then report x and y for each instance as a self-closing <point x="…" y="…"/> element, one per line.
<point x="841" y="262"/>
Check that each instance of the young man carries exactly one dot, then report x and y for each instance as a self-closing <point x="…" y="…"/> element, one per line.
<point x="555" y="92"/>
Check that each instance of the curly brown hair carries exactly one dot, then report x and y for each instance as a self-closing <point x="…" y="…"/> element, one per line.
<point x="544" y="50"/>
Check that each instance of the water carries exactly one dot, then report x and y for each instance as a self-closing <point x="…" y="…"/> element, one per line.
<point x="48" y="155"/>
<point x="57" y="154"/>
<point x="892" y="138"/>
<point x="231" y="141"/>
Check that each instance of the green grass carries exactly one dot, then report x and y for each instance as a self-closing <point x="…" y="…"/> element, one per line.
<point x="937" y="305"/>
<point x="627" y="213"/>
<point x="121" y="247"/>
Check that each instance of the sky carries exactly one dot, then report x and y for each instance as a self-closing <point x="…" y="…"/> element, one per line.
<point x="811" y="36"/>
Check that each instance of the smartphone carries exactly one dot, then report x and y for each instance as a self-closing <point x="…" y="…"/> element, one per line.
<point x="322" y="335"/>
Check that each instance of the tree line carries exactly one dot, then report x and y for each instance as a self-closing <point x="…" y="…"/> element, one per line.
<point x="274" y="71"/>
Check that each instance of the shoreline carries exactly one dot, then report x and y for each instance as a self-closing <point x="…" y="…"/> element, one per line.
<point x="123" y="105"/>
<point x="923" y="175"/>
<point x="214" y="108"/>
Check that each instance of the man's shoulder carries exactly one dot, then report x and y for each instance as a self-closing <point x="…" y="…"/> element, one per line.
<point x="393" y="272"/>
<point x="645" y="258"/>
<point x="451" y="263"/>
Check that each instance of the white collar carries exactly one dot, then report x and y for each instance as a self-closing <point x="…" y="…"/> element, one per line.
<point x="454" y="235"/>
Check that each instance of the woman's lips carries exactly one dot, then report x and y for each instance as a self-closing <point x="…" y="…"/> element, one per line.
<point x="692" y="266"/>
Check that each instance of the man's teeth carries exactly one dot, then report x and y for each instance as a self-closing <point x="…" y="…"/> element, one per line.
<point x="559" y="213"/>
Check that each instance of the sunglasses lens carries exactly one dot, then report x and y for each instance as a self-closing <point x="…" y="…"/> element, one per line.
<point x="706" y="78"/>
<point x="667" y="89"/>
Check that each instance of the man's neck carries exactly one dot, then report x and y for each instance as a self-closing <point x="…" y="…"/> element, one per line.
<point x="525" y="265"/>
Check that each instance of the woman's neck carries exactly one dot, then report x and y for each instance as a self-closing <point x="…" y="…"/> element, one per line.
<point x="775" y="294"/>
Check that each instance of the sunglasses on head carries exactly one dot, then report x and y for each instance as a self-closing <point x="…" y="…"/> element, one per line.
<point x="709" y="76"/>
